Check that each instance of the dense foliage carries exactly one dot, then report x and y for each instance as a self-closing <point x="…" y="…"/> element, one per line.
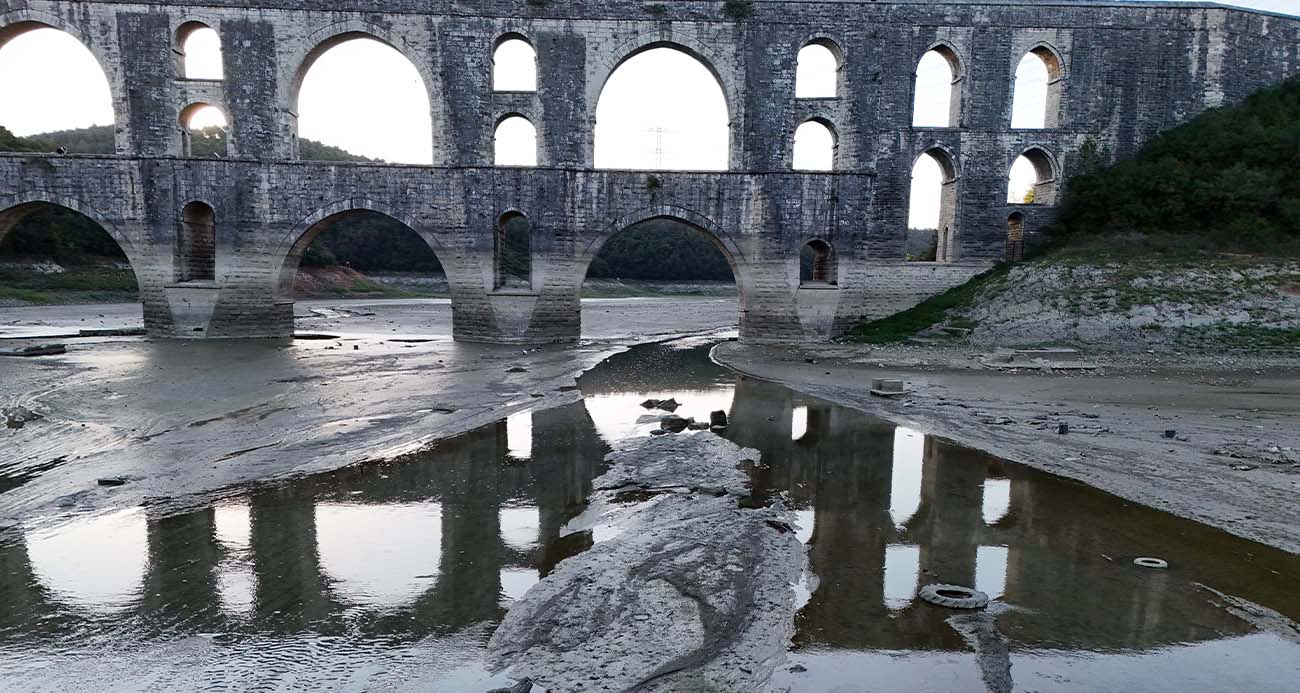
<point x="1230" y="176"/>
<point x="660" y="250"/>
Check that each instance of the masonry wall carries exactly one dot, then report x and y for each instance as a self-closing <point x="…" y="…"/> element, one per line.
<point x="1128" y="72"/>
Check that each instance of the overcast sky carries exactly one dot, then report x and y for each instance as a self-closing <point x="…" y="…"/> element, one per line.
<point x="661" y="109"/>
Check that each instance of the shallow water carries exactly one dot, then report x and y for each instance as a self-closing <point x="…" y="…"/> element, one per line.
<point x="390" y="576"/>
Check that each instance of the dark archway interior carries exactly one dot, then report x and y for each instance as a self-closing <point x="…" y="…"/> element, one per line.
<point x="365" y="252"/>
<point x="661" y="250"/>
<point x="52" y="254"/>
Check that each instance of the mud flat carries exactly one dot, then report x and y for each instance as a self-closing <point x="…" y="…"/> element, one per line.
<point x="693" y="591"/>
<point x="125" y="420"/>
<point x="1213" y="438"/>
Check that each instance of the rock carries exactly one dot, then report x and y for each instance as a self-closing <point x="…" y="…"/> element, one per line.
<point x="698" y="426"/>
<point x="111" y="481"/>
<point x="1063" y="428"/>
<point x="517" y="369"/>
<point x="658" y="432"/>
<point x="674" y="423"/>
<point x="36" y="350"/>
<point x="669" y="404"/>
<point x="525" y="685"/>
<point x="718" y="418"/>
<point x="19" y="416"/>
<point x="650" y="404"/>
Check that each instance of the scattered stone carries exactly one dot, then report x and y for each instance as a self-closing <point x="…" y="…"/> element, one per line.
<point x="887" y="387"/>
<point x="674" y="423"/>
<point x="525" y="685"/>
<point x="658" y="432"/>
<point x="517" y="369"/>
<point x="111" y="481"/>
<point x="718" y="418"/>
<point x="1063" y="428"/>
<point x="669" y="404"/>
<point x="36" y="350"/>
<point x="19" y="416"/>
<point x="1171" y="434"/>
<point x="698" y="426"/>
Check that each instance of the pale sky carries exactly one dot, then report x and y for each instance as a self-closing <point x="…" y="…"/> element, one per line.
<point x="367" y="98"/>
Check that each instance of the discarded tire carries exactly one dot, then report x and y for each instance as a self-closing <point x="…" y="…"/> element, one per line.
<point x="1148" y="562"/>
<point x="954" y="596"/>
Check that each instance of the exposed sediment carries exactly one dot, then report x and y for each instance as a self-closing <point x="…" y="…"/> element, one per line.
<point x="693" y="592"/>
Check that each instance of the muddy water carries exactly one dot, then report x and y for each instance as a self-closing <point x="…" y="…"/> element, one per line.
<point x="390" y="576"/>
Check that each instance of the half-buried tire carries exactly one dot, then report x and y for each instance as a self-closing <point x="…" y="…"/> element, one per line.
<point x="954" y="596"/>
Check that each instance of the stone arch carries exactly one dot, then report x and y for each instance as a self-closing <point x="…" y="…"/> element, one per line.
<point x="724" y="241"/>
<point x="1055" y="65"/>
<point x="512" y="117"/>
<point x="497" y="44"/>
<point x="829" y="128"/>
<point x="16" y="206"/>
<point x="946" y="245"/>
<point x="182" y="35"/>
<point x="599" y="77"/>
<point x="18" y="22"/>
<point x="184" y="127"/>
<point x="836" y="52"/>
<point x="293" y="244"/>
<point x="956" y="68"/>
<point x="823" y="267"/>
<point x="1046" y="172"/>
<point x="341" y="32"/>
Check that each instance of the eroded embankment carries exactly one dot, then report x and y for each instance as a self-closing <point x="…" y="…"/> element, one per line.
<point x="693" y="591"/>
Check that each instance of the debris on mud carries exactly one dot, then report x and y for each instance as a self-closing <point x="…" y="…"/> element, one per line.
<point x="36" y="350"/>
<point x="694" y="593"/>
<point x="19" y="416"/>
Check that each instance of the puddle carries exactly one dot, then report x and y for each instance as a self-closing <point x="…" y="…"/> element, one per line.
<point x="391" y="576"/>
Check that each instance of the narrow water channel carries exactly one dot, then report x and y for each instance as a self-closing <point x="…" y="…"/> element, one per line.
<point x="391" y="576"/>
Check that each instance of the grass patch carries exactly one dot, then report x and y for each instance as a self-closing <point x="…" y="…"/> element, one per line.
<point x="1255" y="337"/>
<point x="83" y="284"/>
<point x="902" y="326"/>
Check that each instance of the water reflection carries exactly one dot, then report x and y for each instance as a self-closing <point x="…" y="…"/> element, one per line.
<point x="385" y="557"/>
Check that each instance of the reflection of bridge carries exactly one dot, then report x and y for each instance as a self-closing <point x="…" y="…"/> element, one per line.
<point x="215" y="243"/>
<point x="1048" y="543"/>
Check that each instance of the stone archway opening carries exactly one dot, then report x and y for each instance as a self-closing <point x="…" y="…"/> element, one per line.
<point x="663" y="108"/>
<point x="1033" y="178"/>
<point x="817" y="264"/>
<point x="50" y="253"/>
<point x="663" y="256"/>
<point x="198" y="52"/>
<point x="1015" y="237"/>
<point x="515" y="142"/>
<point x="932" y="214"/>
<point x="817" y="74"/>
<point x="1036" y="98"/>
<point x="204" y="132"/>
<point x="514" y="64"/>
<point x="937" y="98"/>
<point x="815" y="146"/>
<point x="56" y="94"/>
<point x="361" y="253"/>
<point x="363" y="99"/>
<point x="512" y="253"/>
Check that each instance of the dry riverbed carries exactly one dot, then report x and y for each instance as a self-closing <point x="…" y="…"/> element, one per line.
<point x="1233" y="461"/>
<point x="125" y="420"/>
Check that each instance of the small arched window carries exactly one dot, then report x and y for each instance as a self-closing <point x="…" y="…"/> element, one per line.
<point x="196" y="254"/>
<point x="937" y="101"/>
<point x="1015" y="236"/>
<point x="932" y="216"/>
<point x="1032" y="180"/>
<point x="198" y="52"/>
<point x="203" y="131"/>
<point x="514" y="65"/>
<point x="814" y="147"/>
<point x="817" y="75"/>
<point x="515" y="142"/>
<point x="513" y="252"/>
<point x="1036" y="103"/>
<point x="817" y="263"/>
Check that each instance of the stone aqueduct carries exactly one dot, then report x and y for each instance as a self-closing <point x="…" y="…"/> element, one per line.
<point x="1121" y="72"/>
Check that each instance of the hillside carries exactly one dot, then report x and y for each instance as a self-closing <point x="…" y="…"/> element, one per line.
<point x="1192" y="244"/>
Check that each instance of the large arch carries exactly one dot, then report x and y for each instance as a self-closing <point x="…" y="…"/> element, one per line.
<point x="337" y="34"/>
<point x="947" y="231"/>
<point x="948" y="54"/>
<point x="598" y="81"/>
<point x="292" y="245"/>
<point x="18" y="22"/>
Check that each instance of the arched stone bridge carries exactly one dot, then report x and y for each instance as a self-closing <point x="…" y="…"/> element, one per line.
<point x="214" y="241"/>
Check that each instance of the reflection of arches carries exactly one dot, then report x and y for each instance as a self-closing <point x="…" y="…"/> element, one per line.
<point x="818" y="70"/>
<point x="815" y="146"/>
<point x="331" y="37"/>
<point x="1039" y="78"/>
<point x="1044" y="182"/>
<point x="515" y="141"/>
<point x="19" y="22"/>
<point x="196" y="251"/>
<point x="295" y="243"/>
<point x="946" y="239"/>
<point x="514" y="64"/>
<point x="1015" y="236"/>
<point x="702" y="138"/>
<point x="198" y="52"/>
<point x="817" y="263"/>
<point x="945" y="98"/>
<point x="512" y="252"/>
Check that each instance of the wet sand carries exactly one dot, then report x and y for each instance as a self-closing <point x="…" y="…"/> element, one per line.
<point x="182" y="422"/>
<point x="1245" y="409"/>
